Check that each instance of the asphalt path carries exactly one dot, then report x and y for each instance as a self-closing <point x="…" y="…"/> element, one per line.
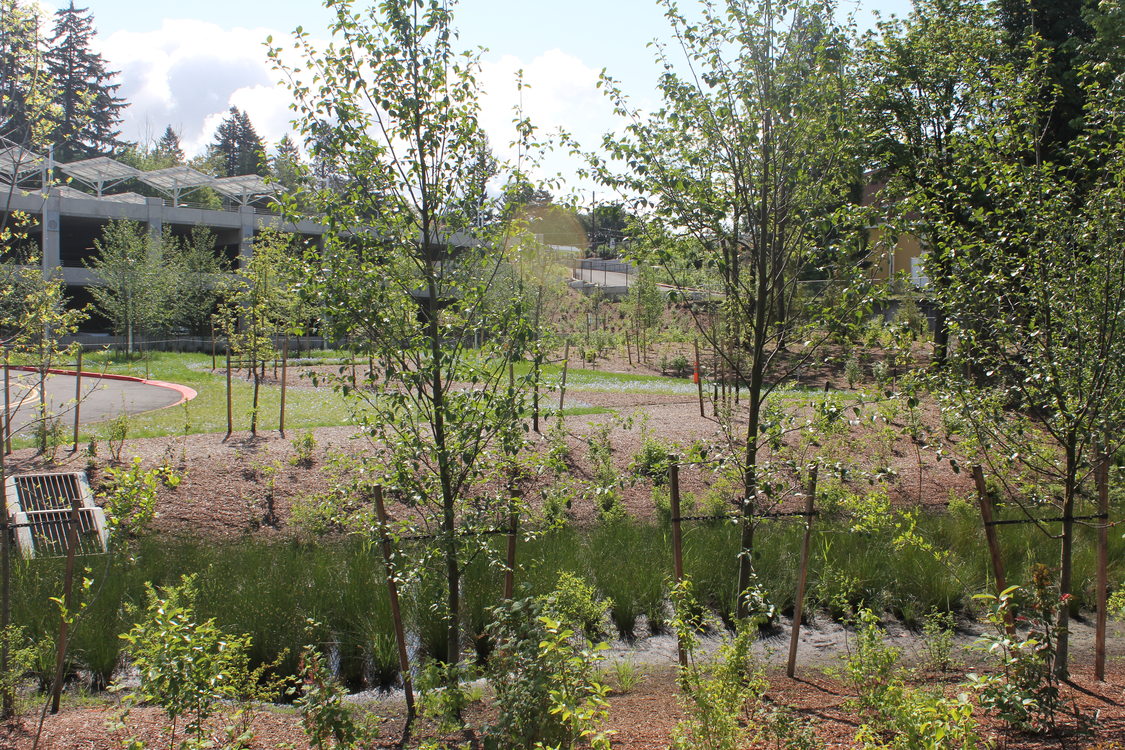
<point x="101" y="399"/>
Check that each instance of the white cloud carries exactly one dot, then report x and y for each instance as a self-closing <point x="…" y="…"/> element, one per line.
<point x="561" y="92"/>
<point x="188" y="74"/>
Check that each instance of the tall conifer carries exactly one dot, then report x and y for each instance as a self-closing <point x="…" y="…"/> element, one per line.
<point x="238" y="147"/>
<point x="88" y="108"/>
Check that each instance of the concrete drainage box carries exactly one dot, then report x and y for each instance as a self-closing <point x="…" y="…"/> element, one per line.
<point x="39" y="506"/>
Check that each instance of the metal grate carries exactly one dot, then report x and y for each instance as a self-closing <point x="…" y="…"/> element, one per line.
<point x="49" y="528"/>
<point x="47" y="491"/>
<point x="39" y="506"/>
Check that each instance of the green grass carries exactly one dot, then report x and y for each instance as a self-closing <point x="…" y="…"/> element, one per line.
<point x="305" y="407"/>
<point x="269" y="589"/>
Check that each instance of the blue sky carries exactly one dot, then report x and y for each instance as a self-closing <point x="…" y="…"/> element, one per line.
<point x="185" y="63"/>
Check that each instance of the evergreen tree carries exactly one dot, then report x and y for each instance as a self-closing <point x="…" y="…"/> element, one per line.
<point x="237" y="147"/>
<point x="89" y="110"/>
<point x="168" y="150"/>
<point x="288" y="169"/>
<point x="24" y="84"/>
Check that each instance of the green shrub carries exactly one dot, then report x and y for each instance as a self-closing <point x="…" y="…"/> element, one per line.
<point x="546" y="694"/>
<point x="1024" y="693"/>
<point x="129" y="496"/>
<point x="718" y="698"/>
<point x="894" y="715"/>
<point x="304" y="449"/>
<point x="188" y="667"/>
<point x="652" y="461"/>
<point x="575" y="603"/>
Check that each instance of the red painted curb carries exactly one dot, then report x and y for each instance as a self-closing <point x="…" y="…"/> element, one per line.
<point x="186" y="393"/>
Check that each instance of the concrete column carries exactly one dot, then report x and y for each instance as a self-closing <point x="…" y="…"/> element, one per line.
<point x="246" y="235"/>
<point x="50" y="239"/>
<point x="155" y="218"/>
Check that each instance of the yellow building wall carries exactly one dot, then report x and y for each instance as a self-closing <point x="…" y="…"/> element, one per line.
<point x="887" y="261"/>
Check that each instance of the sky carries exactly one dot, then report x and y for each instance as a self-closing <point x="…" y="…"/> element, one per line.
<point x="185" y="64"/>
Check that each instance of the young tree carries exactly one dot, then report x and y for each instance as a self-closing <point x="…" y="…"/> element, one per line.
<point x="394" y="108"/>
<point x="237" y="147"/>
<point x="1036" y="294"/>
<point x="259" y="305"/>
<point x="201" y="277"/>
<point x="89" y="110"/>
<point x="135" y="285"/>
<point x="749" y="156"/>
<point x="645" y="305"/>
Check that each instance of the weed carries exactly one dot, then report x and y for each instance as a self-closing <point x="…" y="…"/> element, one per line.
<point x="785" y="728"/>
<point x="304" y="449"/>
<point x="627" y="675"/>
<point x="937" y="640"/>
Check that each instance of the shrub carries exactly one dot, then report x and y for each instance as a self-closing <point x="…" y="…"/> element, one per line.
<point x="325" y="717"/>
<point x="304" y="448"/>
<point x="652" y="461"/>
<point x="937" y="639"/>
<point x="718" y="697"/>
<point x="129" y="496"/>
<point x="188" y="667"/>
<point x="546" y="694"/>
<point x="1025" y="692"/>
<point x="118" y="431"/>
<point x="575" y="603"/>
<point x="896" y="716"/>
<point x="852" y="371"/>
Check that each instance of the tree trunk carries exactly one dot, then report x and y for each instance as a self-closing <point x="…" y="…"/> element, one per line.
<point x="254" y="406"/>
<point x="1066" y="564"/>
<point x="941" y="338"/>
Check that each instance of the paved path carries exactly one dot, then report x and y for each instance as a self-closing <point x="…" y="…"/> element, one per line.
<point x="102" y="398"/>
<point x="602" y="278"/>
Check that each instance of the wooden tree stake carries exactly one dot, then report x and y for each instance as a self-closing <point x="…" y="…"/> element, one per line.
<point x="230" y="406"/>
<point x="284" y="378"/>
<point x="68" y="604"/>
<point x="802" y="575"/>
<point x="77" y="400"/>
<point x="7" y="403"/>
<point x="677" y="541"/>
<point x="8" y="698"/>
<point x="1103" y="568"/>
<point x="990" y="536"/>
<point x="698" y="380"/>
<point x="562" y="386"/>
<point x="396" y="612"/>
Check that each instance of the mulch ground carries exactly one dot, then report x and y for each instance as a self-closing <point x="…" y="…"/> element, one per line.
<point x="225" y="493"/>
<point x="642" y="719"/>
